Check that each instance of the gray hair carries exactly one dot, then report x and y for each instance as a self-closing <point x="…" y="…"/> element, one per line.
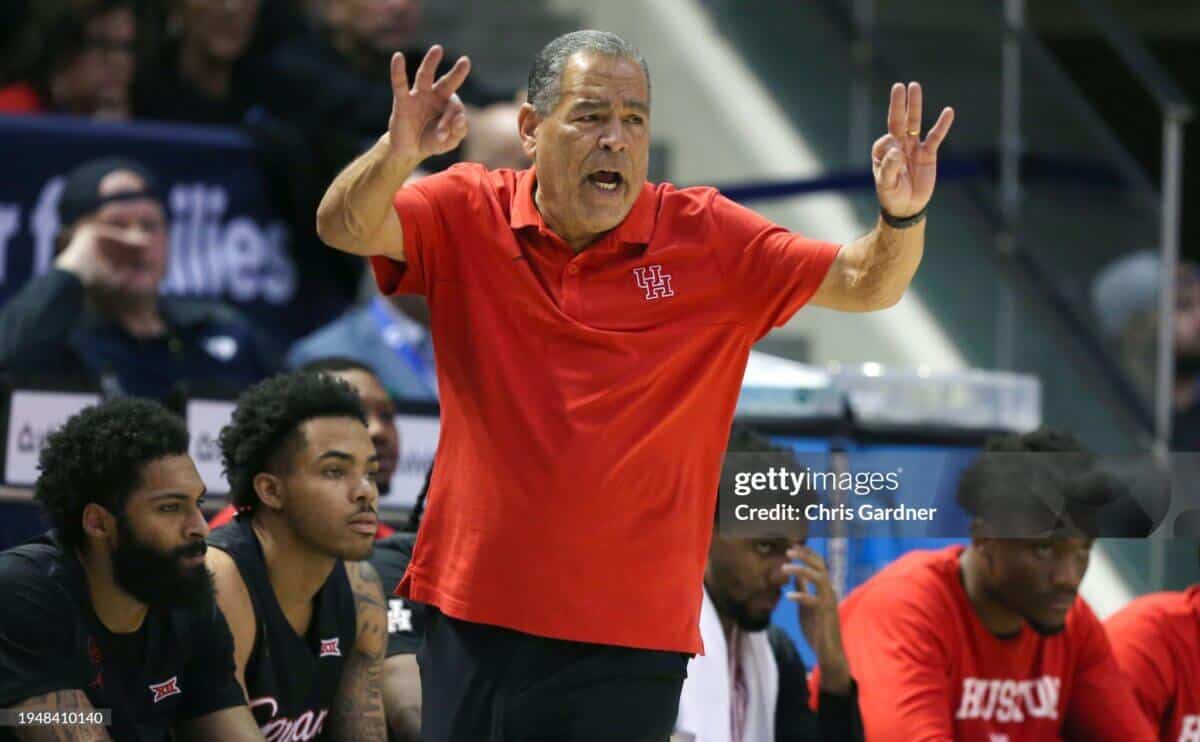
<point x="545" y="77"/>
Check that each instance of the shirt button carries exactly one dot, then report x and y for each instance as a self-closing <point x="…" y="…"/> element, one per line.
<point x="573" y="270"/>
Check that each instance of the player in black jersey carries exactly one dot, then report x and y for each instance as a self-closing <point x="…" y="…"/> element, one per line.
<point x="308" y="619"/>
<point x="113" y="608"/>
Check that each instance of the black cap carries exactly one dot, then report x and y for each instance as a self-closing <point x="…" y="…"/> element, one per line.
<point x="81" y="193"/>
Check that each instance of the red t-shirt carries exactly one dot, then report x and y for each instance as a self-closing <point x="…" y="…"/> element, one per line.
<point x="928" y="669"/>
<point x="1156" y="640"/>
<point x="586" y="399"/>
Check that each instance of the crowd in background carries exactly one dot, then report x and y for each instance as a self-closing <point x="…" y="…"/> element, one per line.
<point x="250" y="64"/>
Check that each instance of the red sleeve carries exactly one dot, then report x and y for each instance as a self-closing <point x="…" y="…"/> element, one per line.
<point x="772" y="272"/>
<point x="420" y="207"/>
<point x="1136" y="636"/>
<point x="894" y="642"/>
<point x="223" y="517"/>
<point x="1102" y="705"/>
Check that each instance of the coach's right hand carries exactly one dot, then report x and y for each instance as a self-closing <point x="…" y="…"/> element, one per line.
<point x="428" y="118"/>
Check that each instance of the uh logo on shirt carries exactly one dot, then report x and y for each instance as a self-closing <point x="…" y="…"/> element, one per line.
<point x="1009" y="701"/>
<point x="1189" y="729"/>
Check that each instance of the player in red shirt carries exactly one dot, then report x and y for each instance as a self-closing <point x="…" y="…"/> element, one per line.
<point x="991" y="641"/>
<point x="1156" y="640"/>
<point x="591" y="332"/>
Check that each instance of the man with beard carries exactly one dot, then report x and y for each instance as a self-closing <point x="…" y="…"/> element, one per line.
<point x="307" y="617"/>
<point x="991" y="641"/>
<point x="113" y="608"/>
<point x="1156" y="640"/>
<point x="381" y="425"/>
<point x="750" y="683"/>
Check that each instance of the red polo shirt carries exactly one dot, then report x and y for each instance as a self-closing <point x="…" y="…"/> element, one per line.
<point x="586" y="399"/>
<point x="1156" y="639"/>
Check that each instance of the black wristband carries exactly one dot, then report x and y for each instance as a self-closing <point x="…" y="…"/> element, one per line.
<point x="896" y="222"/>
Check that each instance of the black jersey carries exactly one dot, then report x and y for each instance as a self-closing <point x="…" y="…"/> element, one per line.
<point x="178" y="666"/>
<point x="291" y="680"/>
<point x="405" y="618"/>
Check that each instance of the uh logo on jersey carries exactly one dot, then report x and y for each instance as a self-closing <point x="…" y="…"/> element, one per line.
<point x="653" y="281"/>
<point x="1009" y="701"/>
<point x="1189" y="730"/>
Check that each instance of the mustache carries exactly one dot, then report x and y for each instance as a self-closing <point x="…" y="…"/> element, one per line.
<point x="196" y="549"/>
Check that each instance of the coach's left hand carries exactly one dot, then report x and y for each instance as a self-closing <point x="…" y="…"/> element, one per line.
<point x="905" y="167"/>
<point x="819" y="618"/>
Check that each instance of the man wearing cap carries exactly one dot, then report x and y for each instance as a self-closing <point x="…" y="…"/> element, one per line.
<point x="97" y="314"/>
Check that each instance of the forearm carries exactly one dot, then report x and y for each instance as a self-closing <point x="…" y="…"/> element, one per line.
<point x="357" y="205"/>
<point x="838" y="716"/>
<point x="886" y="260"/>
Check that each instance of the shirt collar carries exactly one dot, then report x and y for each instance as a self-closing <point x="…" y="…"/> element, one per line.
<point x="637" y="228"/>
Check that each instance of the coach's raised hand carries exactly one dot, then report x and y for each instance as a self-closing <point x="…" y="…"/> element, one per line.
<point x="905" y="167"/>
<point x="427" y="119"/>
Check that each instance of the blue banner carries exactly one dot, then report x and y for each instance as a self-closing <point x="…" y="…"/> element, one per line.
<point x="227" y="240"/>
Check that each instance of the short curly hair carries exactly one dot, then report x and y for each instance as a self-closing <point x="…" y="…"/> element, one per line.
<point x="98" y="456"/>
<point x="267" y="421"/>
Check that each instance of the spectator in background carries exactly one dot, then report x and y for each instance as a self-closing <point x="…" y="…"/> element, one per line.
<point x="1156" y="640"/>
<point x="992" y="641"/>
<point x="347" y="60"/>
<point x="97" y="314"/>
<point x="1125" y="300"/>
<point x="201" y="74"/>
<point x="389" y="334"/>
<point x="84" y="64"/>
<point x="750" y="683"/>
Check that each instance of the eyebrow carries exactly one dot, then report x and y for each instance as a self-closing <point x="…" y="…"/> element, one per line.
<point x="589" y="105"/>
<point x="176" y="495"/>
<point x="343" y="456"/>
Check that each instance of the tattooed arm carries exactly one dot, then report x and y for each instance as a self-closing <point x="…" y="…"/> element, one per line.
<point x="357" y="715"/>
<point x="61" y="700"/>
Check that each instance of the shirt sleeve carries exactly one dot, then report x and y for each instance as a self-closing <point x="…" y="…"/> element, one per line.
<point x="836" y="716"/>
<point x="39" y="635"/>
<point x="772" y="272"/>
<point x="1137" y="643"/>
<point x="900" y="665"/>
<point x="211" y="672"/>
<point x="1102" y="705"/>
<point x="419" y="208"/>
<point x="404" y="619"/>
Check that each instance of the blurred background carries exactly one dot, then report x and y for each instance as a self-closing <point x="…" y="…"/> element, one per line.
<point x="1059" y="284"/>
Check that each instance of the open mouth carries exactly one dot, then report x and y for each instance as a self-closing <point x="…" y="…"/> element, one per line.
<point x="606" y="180"/>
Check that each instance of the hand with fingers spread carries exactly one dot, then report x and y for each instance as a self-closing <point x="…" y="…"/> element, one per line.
<point x="102" y="256"/>
<point x="819" y="620"/>
<point x="905" y="167"/>
<point x="428" y="118"/>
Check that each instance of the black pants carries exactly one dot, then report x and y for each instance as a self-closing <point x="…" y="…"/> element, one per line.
<point x="483" y="683"/>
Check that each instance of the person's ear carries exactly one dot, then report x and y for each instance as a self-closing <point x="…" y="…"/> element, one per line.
<point x="99" y="524"/>
<point x="528" y="121"/>
<point x="269" y="489"/>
